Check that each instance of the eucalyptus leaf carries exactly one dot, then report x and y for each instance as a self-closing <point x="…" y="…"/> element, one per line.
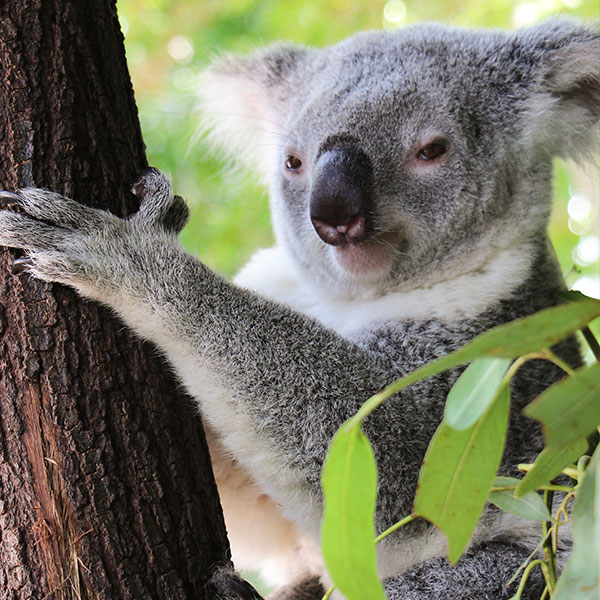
<point x="572" y="295"/>
<point x="531" y="506"/>
<point x="474" y="391"/>
<point x="349" y="483"/>
<point x="549" y="463"/>
<point x="570" y="409"/>
<point x="504" y="481"/>
<point x="538" y="331"/>
<point x="581" y="576"/>
<point x="458" y="471"/>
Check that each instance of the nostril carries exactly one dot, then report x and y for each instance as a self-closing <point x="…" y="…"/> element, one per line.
<point x="353" y="231"/>
<point x="328" y="233"/>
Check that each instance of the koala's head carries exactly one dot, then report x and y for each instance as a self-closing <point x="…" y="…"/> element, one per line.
<point x="403" y="159"/>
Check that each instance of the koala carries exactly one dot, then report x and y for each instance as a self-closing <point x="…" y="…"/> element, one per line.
<point x="410" y="187"/>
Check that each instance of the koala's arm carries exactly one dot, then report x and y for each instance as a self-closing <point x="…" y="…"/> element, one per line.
<point x="275" y="384"/>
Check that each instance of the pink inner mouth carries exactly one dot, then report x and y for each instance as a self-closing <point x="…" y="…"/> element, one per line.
<point x="371" y="257"/>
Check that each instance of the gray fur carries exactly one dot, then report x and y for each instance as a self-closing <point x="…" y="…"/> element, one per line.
<point x="440" y="580"/>
<point x="226" y="584"/>
<point x="306" y="589"/>
<point x="274" y="383"/>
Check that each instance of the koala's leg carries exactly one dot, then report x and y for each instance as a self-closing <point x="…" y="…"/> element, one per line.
<point x="481" y="574"/>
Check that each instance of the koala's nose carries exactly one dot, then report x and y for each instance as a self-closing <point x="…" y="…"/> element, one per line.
<point x="340" y="196"/>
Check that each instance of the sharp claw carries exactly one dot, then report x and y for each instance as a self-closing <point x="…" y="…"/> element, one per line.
<point x="139" y="188"/>
<point x="21" y="264"/>
<point x="6" y="195"/>
<point x="10" y="201"/>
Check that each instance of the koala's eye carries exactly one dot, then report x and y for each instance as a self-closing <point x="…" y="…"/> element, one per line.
<point x="432" y="151"/>
<point x="292" y="163"/>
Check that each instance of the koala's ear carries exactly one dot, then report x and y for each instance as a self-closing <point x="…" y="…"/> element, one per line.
<point x="244" y="101"/>
<point x="564" y="110"/>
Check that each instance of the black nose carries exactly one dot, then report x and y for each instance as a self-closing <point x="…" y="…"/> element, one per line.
<point x="340" y="197"/>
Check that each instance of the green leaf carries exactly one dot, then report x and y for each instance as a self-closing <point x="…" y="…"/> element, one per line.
<point x="349" y="483"/>
<point x="458" y="471"/>
<point x="570" y="409"/>
<point x="474" y="391"/>
<point x="572" y="295"/>
<point x="536" y="332"/>
<point x="531" y="506"/>
<point x="549" y="463"/>
<point x="529" y="334"/>
<point x="581" y="576"/>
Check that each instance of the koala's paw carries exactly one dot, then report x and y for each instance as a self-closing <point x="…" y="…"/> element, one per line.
<point x="226" y="584"/>
<point x="158" y="204"/>
<point x="50" y="228"/>
<point x="92" y="250"/>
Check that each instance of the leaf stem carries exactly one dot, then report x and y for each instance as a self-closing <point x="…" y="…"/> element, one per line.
<point x="556" y="488"/>
<point x="394" y="527"/>
<point x="592" y="342"/>
<point x="526" y="574"/>
<point x="544" y="354"/>
<point x="572" y="473"/>
<point x="559" y="362"/>
<point x="548" y="549"/>
<point x="525" y="467"/>
<point x="561" y="511"/>
<point x="454" y="359"/>
<point x="519" y="362"/>
<point x="550" y="488"/>
<point x="524" y="564"/>
<point x="380" y="537"/>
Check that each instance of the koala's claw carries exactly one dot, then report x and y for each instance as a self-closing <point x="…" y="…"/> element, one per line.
<point x="158" y="204"/>
<point x="144" y="184"/>
<point x="20" y="264"/>
<point x="10" y="201"/>
<point x="6" y="195"/>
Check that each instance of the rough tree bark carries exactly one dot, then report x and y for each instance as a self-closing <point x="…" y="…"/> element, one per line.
<point x="105" y="486"/>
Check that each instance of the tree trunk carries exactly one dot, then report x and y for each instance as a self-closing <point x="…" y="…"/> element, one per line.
<point x="106" y="489"/>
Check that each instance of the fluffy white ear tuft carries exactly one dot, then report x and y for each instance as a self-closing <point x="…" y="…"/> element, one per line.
<point x="244" y="103"/>
<point x="564" y="114"/>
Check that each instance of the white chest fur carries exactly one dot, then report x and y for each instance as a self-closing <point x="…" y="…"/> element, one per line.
<point x="271" y="273"/>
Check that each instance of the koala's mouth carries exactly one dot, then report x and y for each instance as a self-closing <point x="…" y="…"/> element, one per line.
<point x="368" y="258"/>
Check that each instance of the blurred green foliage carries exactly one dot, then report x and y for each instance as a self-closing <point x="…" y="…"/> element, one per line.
<point x="169" y="41"/>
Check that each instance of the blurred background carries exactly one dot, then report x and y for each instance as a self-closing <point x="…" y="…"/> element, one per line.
<point x="169" y="41"/>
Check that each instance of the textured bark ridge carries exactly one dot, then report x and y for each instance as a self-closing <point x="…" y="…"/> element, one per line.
<point x="105" y="486"/>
